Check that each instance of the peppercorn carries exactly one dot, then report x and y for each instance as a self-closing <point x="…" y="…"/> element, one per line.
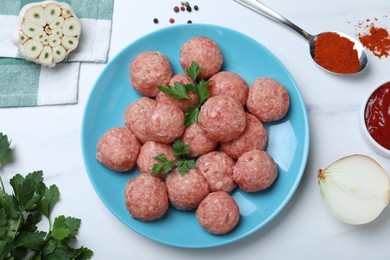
<point x="189" y="21"/>
<point x="171" y="20"/>
<point x="196" y="8"/>
<point x="182" y="8"/>
<point x="155" y="20"/>
<point x="189" y="9"/>
<point x="176" y="9"/>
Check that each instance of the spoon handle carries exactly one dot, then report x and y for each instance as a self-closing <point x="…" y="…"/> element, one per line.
<point x="264" y="10"/>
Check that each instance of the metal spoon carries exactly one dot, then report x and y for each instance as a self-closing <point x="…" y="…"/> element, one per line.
<point x="311" y="39"/>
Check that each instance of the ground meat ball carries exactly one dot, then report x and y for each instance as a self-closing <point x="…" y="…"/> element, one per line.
<point x="149" y="150"/>
<point x="166" y="123"/>
<point x="183" y="104"/>
<point x="137" y="115"/>
<point x="222" y="118"/>
<point x="268" y="100"/>
<point x="198" y="142"/>
<point x="217" y="168"/>
<point x="227" y="83"/>
<point x="149" y="70"/>
<point x="254" y="171"/>
<point x="146" y="197"/>
<point x="205" y="52"/>
<point x="117" y="149"/>
<point x="218" y="213"/>
<point x="186" y="192"/>
<point x="254" y="136"/>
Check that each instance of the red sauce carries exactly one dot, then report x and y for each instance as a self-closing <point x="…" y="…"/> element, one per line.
<point x="377" y="115"/>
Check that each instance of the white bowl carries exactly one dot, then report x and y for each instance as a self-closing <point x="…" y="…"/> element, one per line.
<point x="370" y="140"/>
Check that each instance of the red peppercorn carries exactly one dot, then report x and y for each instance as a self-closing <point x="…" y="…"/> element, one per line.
<point x="182" y="8"/>
<point x="171" y="20"/>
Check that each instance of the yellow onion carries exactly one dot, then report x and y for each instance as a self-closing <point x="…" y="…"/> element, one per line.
<point x="355" y="189"/>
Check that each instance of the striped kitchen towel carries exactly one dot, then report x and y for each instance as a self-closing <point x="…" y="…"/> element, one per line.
<point x="24" y="83"/>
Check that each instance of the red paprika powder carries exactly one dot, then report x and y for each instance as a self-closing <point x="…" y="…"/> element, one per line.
<point x="377" y="40"/>
<point x="336" y="53"/>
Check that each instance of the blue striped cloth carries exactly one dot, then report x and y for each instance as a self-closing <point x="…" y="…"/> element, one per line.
<point x="24" y="83"/>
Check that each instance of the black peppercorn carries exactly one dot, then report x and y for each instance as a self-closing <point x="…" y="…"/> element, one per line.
<point x="189" y="21"/>
<point x="196" y="8"/>
<point x="155" y="20"/>
<point x="189" y="9"/>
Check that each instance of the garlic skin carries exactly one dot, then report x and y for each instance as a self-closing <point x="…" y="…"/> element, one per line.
<point x="355" y="189"/>
<point x="46" y="27"/>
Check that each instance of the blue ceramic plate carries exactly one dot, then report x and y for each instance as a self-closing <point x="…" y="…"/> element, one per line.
<point x="288" y="138"/>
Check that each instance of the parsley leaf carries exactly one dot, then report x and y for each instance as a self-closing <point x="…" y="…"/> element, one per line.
<point x="65" y="227"/>
<point x="50" y="197"/>
<point x="202" y="91"/>
<point x="192" y="116"/>
<point x="193" y="71"/>
<point x="176" y="91"/>
<point x="180" y="149"/>
<point x="184" y="166"/>
<point x="164" y="164"/>
<point x="5" y="149"/>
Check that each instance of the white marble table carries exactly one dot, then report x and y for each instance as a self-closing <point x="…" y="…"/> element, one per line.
<point x="48" y="138"/>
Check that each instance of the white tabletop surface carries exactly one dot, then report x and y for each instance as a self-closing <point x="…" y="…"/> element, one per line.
<point x="48" y="138"/>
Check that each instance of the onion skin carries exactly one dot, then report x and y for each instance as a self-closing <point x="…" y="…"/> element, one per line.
<point x="355" y="189"/>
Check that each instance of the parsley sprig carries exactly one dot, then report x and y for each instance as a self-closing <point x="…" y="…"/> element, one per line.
<point x="180" y="91"/>
<point x="21" y="211"/>
<point x="183" y="164"/>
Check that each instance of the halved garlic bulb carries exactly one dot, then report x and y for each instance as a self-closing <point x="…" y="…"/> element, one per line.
<point x="47" y="32"/>
<point x="355" y="189"/>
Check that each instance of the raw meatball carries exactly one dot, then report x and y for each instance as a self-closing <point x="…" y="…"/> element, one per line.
<point x="149" y="150"/>
<point x="218" y="213"/>
<point x="146" y="197"/>
<point x="186" y="192"/>
<point x="183" y="104"/>
<point x="117" y="149"/>
<point x="149" y="70"/>
<point x="268" y="100"/>
<point x="255" y="170"/>
<point x="137" y="115"/>
<point x="217" y="168"/>
<point x="222" y="118"/>
<point x="166" y="123"/>
<point x="198" y="142"/>
<point x="227" y="83"/>
<point x="205" y="52"/>
<point x="254" y="136"/>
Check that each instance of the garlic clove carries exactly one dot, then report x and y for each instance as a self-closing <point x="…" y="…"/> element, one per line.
<point x="71" y="27"/>
<point x="40" y="36"/>
<point x="31" y="29"/>
<point x="66" y="12"/>
<point x="32" y="48"/>
<point x="22" y="37"/>
<point x="54" y="41"/>
<point x="46" y="57"/>
<point x="57" y="32"/>
<point x="70" y="43"/>
<point x="355" y="189"/>
<point x="35" y="14"/>
<point x="59" y="53"/>
<point x="52" y="12"/>
<point x="57" y="23"/>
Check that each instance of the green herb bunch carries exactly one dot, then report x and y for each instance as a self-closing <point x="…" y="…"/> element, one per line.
<point x="182" y="163"/>
<point x="180" y="91"/>
<point x="21" y="211"/>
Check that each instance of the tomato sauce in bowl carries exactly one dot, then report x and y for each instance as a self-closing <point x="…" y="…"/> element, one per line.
<point x="376" y="116"/>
